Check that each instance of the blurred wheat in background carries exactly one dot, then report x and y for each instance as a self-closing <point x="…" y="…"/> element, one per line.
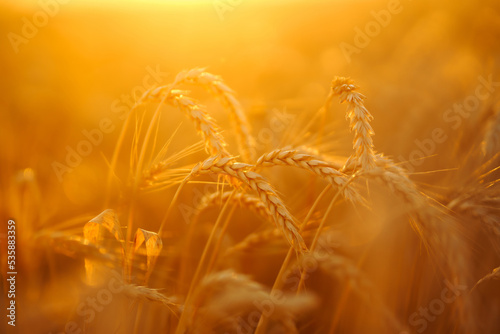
<point x="251" y="166"/>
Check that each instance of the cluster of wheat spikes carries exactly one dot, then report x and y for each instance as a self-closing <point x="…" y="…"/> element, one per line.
<point x="205" y="293"/>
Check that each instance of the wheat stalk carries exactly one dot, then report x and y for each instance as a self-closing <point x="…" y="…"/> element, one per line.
<point x="244" y="173"/>
<point x="359" y="118"/>
<point x="343" y="269"/>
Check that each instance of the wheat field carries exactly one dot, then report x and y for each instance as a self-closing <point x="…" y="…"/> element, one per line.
<point x="248" y="166"/>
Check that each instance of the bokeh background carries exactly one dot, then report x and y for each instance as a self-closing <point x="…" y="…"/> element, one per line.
<point x="68" y="76"/>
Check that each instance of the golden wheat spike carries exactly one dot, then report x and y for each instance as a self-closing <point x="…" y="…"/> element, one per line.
<point x="313" y="164"/>
<point x="359" y="118"/>
<point x="242" y="172"/>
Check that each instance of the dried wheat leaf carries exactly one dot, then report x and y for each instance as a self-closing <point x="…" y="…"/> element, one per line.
<point x="93" y="232"/>
<point x="153" y="244"/>
<point x="106" y="219"/>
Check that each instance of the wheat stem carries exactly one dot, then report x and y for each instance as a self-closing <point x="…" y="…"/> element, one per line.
<point x="278" y="282"/>
<point x="181" y="328"/>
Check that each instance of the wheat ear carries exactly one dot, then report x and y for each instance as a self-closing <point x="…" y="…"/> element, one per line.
<point x="255" y="241"/>
<point x="218" y="88"/>
<point x="243" y="199"/>
<point x="196" y="112"/>
<point x="224" y="298"/>
<point x="148" y="294"/>
<point x="244" y="173"/>
<point x="435" y="226"/>
<point x="359" y="119"/>
<point x="259" y="239"/>
<point x="140" y="292"/>
<point x="313" y="164"/>
<point x="494" y="275"/>
<point x="204" y="123"/>
<point x="482" y="204"/>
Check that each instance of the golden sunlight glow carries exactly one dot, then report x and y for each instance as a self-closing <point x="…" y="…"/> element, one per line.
<point x="250" y="166"/>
